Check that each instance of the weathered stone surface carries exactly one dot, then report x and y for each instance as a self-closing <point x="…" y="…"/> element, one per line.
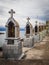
<point x="41" y="37"/>
<point x="12" y="51"/>
<point x="44" y="33"/>
<point x="36" y="38"/>
<point x="28" y="42"/>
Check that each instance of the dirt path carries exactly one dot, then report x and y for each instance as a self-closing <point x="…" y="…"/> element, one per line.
<point x="40" y="50"/>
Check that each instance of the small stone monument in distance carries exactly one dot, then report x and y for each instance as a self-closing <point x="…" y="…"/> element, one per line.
<point x="28" y="40"/>
<point x="36" y="33"/>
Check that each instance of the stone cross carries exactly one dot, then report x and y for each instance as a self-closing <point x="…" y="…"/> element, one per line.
<point x="28" y="19"/>
<point x="11" y="12"/>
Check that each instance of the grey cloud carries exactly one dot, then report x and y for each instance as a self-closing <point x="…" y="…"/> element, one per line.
<point x="2" y="11"/>
<point x="24" y="8"/>
<point x="9" y="1"/>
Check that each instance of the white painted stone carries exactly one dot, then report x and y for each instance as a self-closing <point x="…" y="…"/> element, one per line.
<point x="36" y="38"/>
<point x="44" y="33"/>
<point x="12" y="51"/>
<point x="28" y="42"/>
<point x="28" y="39"/>
<point x="41" y="37"/>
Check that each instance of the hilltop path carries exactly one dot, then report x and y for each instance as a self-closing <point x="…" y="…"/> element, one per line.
<point x="39" y="51"/>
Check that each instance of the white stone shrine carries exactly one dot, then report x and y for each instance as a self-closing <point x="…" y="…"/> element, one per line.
<point x="40" y="32"/>
<point x="12" y="49"/>
<point x="28" y="40"/>
<point x="36" y="33"/>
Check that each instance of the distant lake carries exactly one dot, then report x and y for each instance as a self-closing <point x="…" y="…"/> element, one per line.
<point x="3" y="36"/>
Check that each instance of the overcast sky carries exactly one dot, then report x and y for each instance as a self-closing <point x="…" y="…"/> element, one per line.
<point x="35" y="9"/>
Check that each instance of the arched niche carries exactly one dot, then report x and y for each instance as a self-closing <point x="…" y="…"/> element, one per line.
<point x="27" y="29"/>
<point x="11" y="29"/>
<point x="36" y="29"/>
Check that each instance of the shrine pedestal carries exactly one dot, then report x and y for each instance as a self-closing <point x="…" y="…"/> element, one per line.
<point x="41" y="37"/>
<point x="13" y="51"/>
<point x="44" y="33"/>
<point x="28" y="42"/>
<point x="36" y="38"/>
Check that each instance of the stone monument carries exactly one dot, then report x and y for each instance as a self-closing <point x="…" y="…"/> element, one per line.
<point x="44" y="31"/>
<point x="12" y="49"/>
<point x="47" y="26"/>
<point x="28" y="40"/>
<point x="36" y="33"/>
<point x="40" y="32"/>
